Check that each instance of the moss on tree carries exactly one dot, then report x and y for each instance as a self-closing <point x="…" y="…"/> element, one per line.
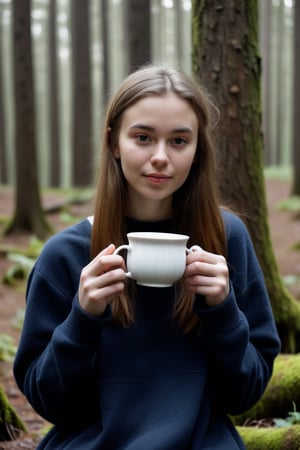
<point x="226" y="59"/>
<point x="271" y="438"/>
<point x="11" y="424"/>
<point x="281" y="393"/>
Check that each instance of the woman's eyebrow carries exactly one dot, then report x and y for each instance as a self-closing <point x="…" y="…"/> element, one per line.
<point x="183" y="130"/>
<point x="142" y="126"/>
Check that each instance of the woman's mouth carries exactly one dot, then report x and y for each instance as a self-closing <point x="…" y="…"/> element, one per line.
<point x="157" y="178"/>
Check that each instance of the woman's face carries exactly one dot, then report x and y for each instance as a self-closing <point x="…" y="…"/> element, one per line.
<point x="156" y="147"/>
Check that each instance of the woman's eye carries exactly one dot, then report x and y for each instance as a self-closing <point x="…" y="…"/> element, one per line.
<point x="180" y="141"/>
<point x="142" y="138"/>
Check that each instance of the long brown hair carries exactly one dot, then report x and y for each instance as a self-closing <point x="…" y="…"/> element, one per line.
<point x="196" y="210"/>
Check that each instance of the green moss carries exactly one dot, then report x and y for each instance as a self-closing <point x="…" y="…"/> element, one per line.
<point x="10" y="423"/>
<point x="282" y="391"/>
<point x="271" y="438"/>
<point x="197" y="6"/>
<point x="252" y="15"/>
<point x="7" y="347"/>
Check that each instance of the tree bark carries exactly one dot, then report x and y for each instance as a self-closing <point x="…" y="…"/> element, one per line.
<point x="137" y="37"/>
<point x="3" y="159"/>
<point x="296" y="102"/>
<point x="82" y="95"/>
<point x="226" y="57"/>
<point x="179" y="41"/>
<point x="279" y="111"/>
<point x="265" y="43"/>
<point x="53" y="100"/>
<point x="28" y="214"/>
<point x="105" y="50"/>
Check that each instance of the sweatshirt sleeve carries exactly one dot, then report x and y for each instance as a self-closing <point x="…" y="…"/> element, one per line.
<point x="55" y="362"/>
<point x="240" y="334"/>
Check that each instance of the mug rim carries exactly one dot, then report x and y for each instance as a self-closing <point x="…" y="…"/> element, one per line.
<point x="157" y="235"/>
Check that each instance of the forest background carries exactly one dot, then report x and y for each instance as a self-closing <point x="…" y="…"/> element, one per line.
<point x="81" y="50"/>
<point x="87" y="69"/>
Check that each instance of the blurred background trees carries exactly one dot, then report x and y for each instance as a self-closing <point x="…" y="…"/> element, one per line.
<point x="82" y="50"/>
<point x="80" y="53"/>
<point x="81" y="93"/>
<point x="28" y="215"/>
<point x="296" y="102"/>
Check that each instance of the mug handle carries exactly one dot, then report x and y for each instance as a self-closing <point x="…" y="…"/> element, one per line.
<point x="118" y="250"/>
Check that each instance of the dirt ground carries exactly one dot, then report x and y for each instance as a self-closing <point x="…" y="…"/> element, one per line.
<point x="285" y="232"/>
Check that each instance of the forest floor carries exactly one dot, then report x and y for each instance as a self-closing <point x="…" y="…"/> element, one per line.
<point x="285" y="233"/>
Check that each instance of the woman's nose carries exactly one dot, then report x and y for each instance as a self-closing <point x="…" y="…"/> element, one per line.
<point x="160" y="154"/>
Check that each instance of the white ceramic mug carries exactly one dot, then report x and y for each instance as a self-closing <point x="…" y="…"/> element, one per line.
<point x="155" y="259"/>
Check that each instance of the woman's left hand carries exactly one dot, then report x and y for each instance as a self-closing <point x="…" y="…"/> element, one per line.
<point x="207" y="274"/>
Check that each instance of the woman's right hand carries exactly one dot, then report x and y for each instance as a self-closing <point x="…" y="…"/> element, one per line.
<point x="101" y="281"/>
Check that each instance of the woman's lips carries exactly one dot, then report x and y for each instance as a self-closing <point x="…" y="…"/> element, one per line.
<point x="157" y="178"/>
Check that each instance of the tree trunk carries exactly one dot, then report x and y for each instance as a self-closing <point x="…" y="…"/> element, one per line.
<point x="265" y="44"/>
<point x="226" y="56"/>
<point x="105" y="50"/>
<point x="137" y="32"/>
<point x="179" y="41"/>
<point x="81" y="88"/>
<point x="28" y="214"/>
<point x="157" y="29"/>
<point x="3" y="161"/>
<point x="53" y="100"/>
<point x="296" y="102"/>
<point x="279" y="111"/>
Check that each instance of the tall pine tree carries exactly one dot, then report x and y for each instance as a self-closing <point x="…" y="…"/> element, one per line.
<point x="227" y="60"/>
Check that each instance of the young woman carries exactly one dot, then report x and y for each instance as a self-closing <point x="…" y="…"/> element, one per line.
<point x="114" y="365"/>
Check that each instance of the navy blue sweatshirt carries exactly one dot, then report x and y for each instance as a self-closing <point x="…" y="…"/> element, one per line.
<point x="149" y="386"/>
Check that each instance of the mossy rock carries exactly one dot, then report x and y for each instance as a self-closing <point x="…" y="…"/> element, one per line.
<point x="270" y="438"/>
<point x="281" y="394"/>
<point x="11" y="424"/>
